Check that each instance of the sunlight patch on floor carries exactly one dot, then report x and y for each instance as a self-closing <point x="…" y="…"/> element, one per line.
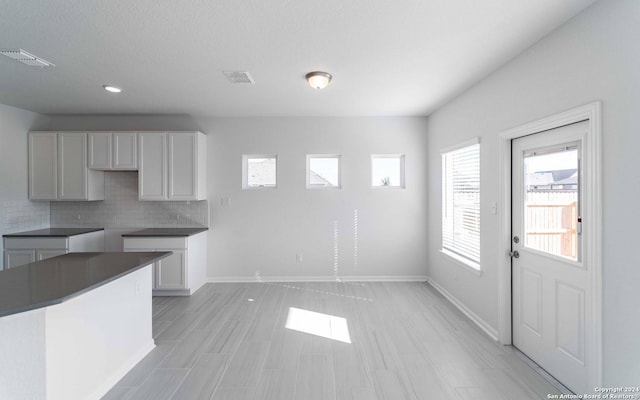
<point x="314" y="323"/>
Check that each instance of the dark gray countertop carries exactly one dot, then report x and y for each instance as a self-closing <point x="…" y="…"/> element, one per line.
<point x="166" y="232"/>
<point x="55" y="280"/>
<point x="53" y="232"/>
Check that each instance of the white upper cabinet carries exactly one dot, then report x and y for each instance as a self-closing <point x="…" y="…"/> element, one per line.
<point x="113" y="150"/>
<point x="58" y="168"/>
<point x="125" y="153"/>
<point x="172" y="166"/>
<point x="72" y="166"/>
<point x="152" y="173"/>
<point x="43" y="166"/>
<point x="187" y="165"/>
<point x="100" y="150"/>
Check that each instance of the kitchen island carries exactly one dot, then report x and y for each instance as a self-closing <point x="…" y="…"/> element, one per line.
<point x="71" y="326"/>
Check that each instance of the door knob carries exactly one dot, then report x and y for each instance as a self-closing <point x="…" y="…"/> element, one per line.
<point x="514" y="254"/>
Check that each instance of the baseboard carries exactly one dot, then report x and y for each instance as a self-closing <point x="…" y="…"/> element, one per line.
<point x="369" y="278"/>
<point x="111" y="381"/>
<point x="482" y="324"/>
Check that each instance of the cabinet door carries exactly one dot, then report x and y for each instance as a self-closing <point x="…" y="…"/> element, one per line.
<point x="152" y="159"/>
<point x="72" y="166"/>
<point x="171" y="272"/>
<point x="13" y="258"/>
<point x="44" y="254"/>
<point x="125" y="154"/>
<point x="100" y="150"/>
<point x="183" y="155"/>
<point x="154" y="267"/>
<point x="43" y="166"/>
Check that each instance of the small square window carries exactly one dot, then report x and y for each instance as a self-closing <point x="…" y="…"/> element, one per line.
<point x="323" y="171"/>
<point x="259" y="171"/>
<point x="387" y="171"/>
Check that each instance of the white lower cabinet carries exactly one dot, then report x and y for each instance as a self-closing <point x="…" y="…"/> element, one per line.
<point x="183" y="272"/>
<point x="25" y="250"/>
<point x="171" y="272"/>
<point x="13" y="257"/>
<point x="44" y="254"/>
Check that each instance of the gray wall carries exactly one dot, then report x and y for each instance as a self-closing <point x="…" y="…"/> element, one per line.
<point x="259" y="232"/>
<point x="592" y="57"/>
<point x="16" y="213"/>
<point x="263" y="230"/>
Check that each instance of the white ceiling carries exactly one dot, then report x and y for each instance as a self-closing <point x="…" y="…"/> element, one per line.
<point x="400" y="58"/>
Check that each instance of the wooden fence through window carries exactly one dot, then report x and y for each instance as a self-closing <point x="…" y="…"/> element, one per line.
<point x="551" y="222"/>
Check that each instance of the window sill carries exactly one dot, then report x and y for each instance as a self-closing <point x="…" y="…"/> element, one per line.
<point x="463" y="262"/>
<point x="259" y="187"/>
<point x="323" y="187"/>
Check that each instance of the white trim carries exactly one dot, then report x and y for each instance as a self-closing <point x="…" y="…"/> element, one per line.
<point x="466" y="143"/>
<point x="327" y="278"/>
<point x="482" y="324"/>
<point x="592" y="244"/>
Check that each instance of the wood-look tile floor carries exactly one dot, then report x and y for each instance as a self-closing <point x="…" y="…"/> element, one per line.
<point x="229" y="342"/>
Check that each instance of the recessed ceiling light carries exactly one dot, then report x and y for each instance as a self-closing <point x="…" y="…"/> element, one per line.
<point x="112" y="89"/>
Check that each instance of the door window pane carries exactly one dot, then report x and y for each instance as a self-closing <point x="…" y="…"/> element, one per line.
<point x="552" y="209"/>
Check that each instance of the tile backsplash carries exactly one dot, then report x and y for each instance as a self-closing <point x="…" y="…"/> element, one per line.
<point x="24" y="215"/>
<point x="121" y="208"/>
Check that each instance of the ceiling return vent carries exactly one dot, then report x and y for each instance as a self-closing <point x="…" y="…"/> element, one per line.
<point x="26" y="58"/>
<point x="238" y="77"/>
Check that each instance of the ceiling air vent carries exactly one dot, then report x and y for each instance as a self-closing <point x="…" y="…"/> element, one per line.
<point x="26" y="58"/>
<point x="238" y="76"/>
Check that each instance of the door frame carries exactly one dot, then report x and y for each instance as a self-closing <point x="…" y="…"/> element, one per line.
<point x="592" y="237"/>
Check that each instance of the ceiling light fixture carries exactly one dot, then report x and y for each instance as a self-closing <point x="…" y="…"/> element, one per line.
<point x="112" y="89"/>
<point x="318" y="79"/>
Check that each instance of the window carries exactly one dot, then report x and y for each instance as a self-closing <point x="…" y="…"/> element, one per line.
<point x="323" y="171"/>
<point x="259" y="171"/>
<point x="461" y="203"/>
<point x="387" y="171"/>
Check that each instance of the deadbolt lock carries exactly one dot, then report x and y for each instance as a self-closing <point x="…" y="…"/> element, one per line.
<point x="516" y="239"/>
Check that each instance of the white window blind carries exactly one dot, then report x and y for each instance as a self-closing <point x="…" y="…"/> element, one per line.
<point x="461" y="203"/>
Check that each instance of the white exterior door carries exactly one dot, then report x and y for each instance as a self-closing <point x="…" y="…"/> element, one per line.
<point x="550" y="278"/>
